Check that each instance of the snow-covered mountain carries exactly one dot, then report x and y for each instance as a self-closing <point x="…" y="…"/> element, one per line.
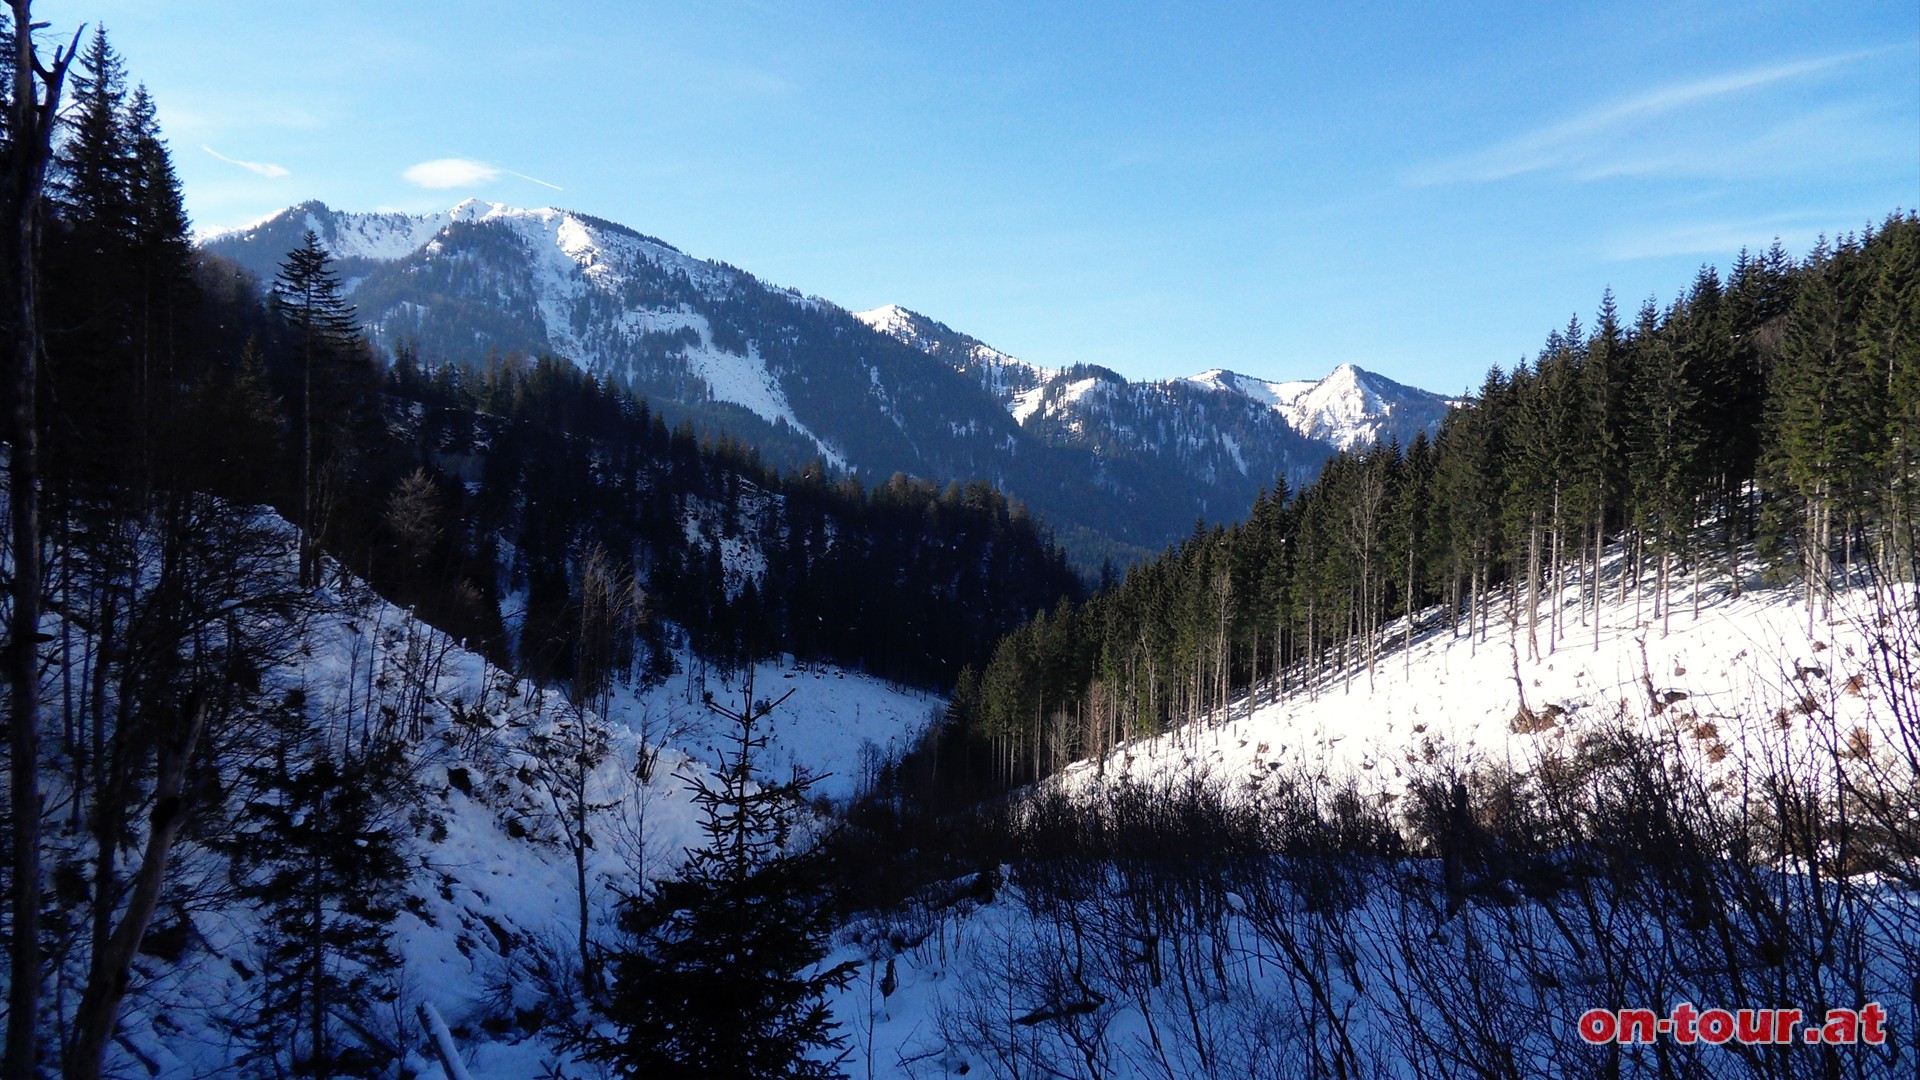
<point x="1217" y="428"/>
<point x="1349" y="409"/>
<point x="1117" y="467"/>
<point x="485" y="277"/>
<point x="1007" y="378"/>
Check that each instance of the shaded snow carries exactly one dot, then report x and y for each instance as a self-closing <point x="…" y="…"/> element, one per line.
<point x="491" y="906"/>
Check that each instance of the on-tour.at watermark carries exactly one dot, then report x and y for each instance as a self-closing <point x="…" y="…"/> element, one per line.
<point x="1865" y="1026"/>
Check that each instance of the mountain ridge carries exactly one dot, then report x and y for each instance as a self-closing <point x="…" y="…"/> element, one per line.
<point x="1119" y="467"/>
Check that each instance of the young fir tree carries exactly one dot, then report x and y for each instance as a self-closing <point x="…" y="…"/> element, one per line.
<point x="724" y="976"/>
<point x="328" y="872"/>
<point x="308" y="294"/>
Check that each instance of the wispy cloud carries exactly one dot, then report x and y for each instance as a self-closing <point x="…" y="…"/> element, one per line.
<point x="1583" y="143"/>
<point x="1719" y="239"/>
<point x="260" y="167"/>
<point x="444" y="173"/>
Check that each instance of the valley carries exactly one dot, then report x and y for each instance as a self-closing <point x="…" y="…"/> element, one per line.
<point x="496" y="643"/>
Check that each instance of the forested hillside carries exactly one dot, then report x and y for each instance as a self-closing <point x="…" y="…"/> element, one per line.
<point x="1760" y="428"/>
<point x="205" y="471"/>
<point x="541" y="465"/>
<point x="1117" y="467"/>
<point x="1598" y="705"/>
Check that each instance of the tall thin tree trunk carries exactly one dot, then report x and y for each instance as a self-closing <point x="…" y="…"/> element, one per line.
<point x="1664" y="599"/>
<point x="1554" y="617"/>
<point x="1406" y="647"/>
<point x="1599" y="551"/>
<point x="33" y="121"/>
<point x="1533" y="587"/>
<point x="1473" y="608"/>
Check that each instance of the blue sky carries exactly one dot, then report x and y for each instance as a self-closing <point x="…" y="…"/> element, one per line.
<point x="1423" y="190"/>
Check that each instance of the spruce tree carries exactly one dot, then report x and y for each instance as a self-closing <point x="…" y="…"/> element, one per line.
<point x="723" y="978"/>
<point x="96" y="161"/>
<point x="326" y="873"/>
<point x="307" y="293"/>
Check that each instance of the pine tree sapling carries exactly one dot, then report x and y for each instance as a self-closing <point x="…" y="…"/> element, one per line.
<point x="723" y="978"/>
<point x="328" y="867"/>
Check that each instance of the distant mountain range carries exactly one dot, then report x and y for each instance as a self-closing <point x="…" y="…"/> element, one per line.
<point x="1117" y="467"/>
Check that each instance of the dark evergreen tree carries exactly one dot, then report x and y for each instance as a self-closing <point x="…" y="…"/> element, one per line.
<point x="324" y="334"/>
<point x="96" y="161"/>
<point x="723" y="977"/>
<point x="327" y="872"/>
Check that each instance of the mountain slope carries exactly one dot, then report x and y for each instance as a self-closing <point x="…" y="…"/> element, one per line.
<point x="1116" y="467"/>
<point x="1049" y="968"/>
<point x="1349" y="408"/>
<point x="488" y="905"/>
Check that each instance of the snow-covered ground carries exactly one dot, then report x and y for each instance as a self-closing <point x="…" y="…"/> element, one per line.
<point x="837" y="726"/>
<point x="490" y="913"/>
<point x="1026" y="983"/>
<point x="489" y="916"/>
<point x="1729" y="672"/>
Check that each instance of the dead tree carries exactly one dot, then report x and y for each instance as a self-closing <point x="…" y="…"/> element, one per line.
<point x="36" y="107"/>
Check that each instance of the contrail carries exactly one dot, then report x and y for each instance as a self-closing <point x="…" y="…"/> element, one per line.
<point x="263" y="168"/>
<point x="533" y="179"/>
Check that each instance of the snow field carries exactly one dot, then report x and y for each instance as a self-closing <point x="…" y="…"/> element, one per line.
<point x="1740" y="678"/>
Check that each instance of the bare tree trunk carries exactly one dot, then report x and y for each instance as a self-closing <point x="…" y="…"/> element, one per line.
<point x="1663" y="599"/>
<point x="33" y="121"/>
<point x="1599" y="551"/>
<point x="589" y="970"/>
<point x="1825" y="553"/>
<point x="1639" y="568"/>
<point x="108" y="977"/>
<point x="309" y="573"/>
<point x="1473" y="609"/>
<point x="1736" y="534"/>
<point x="1533" y="587"/>
<point x="1554" y="619"/>
<point x="1406" y="647"/>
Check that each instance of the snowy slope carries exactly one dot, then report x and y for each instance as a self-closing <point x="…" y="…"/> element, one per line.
<point x="1349" y="408"/>
<point x="1006" y="377"/>
<point x="1738" y="677"/>
<point x="489" y="912"/>
<point x="1006" y="981"/>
